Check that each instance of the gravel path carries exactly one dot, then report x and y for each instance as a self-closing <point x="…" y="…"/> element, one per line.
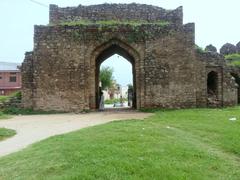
<point x="31" y="129"/>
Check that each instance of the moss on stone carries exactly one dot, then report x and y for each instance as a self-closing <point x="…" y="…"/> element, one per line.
<point x="111" y="23"/>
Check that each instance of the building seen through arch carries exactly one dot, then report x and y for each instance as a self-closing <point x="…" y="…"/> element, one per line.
<point x="120" y="93"/>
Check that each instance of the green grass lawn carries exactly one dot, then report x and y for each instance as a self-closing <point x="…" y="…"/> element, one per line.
<point x="6" y="133"/>
<point x="177" y="144"/>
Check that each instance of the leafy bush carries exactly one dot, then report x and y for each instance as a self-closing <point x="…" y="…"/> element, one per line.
<point x="233" y="57"/>
<point x="3" y="98"/>
<point x="235" y="63"/>
<point x="5" y="133"/>
<point x="111" y="101"/>
<point x="199" y="49"/>
<point x="17" y="95"/>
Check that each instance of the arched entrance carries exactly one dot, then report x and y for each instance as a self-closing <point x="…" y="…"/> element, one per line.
<point x="114" y="49"/>
<point x="105" y="51"/>
<point x="212" y="89"/>
<point x="237" y="80"/>
<point x="212" y="84"/>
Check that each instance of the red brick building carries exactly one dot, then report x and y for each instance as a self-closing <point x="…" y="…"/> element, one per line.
<point x="10" y="78"/>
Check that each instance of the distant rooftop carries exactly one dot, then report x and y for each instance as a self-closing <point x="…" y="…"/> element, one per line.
<point x="7" y="66"/>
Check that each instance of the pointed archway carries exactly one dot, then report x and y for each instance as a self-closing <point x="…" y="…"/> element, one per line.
<point x="102" y="53"/>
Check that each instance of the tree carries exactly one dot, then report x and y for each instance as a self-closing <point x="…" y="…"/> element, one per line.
<point x="130" y="86"/>
<point x="106" y="77"/>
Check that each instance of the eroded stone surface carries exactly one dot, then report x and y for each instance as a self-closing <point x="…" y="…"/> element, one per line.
<point x="228" y="48"/>
<point x="211" y="48"/>
<point x="62" y="71"/>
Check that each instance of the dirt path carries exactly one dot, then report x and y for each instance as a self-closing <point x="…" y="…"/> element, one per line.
<point x="34" y="128"/>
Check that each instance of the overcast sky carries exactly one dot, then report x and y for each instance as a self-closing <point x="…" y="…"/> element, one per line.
<point x="216" y="21"/>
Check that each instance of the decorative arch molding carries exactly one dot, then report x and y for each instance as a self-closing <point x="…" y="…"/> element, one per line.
<point x="103" y="52"/>
<point x="131" y="54"/>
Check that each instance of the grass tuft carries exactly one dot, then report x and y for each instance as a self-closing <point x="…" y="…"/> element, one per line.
<point x="6" y="133"/>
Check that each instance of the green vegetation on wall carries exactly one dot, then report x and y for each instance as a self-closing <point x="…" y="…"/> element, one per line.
<point x="233" y="59"/>
<point x="199" y="49"/>
<point x="111" y="23"/>
<point x="135" y="31"/>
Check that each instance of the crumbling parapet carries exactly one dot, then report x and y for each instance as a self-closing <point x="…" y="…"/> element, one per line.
<point x="226" y="93"/>
<point x="62" y="73"/>
<point x="118" y="12"/>
<point x="27" y="80"/>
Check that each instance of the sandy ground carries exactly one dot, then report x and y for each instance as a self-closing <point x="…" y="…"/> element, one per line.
<point x="31" y="129"/>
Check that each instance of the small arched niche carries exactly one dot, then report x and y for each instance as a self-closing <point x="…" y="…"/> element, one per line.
<point x="212" y="84"/>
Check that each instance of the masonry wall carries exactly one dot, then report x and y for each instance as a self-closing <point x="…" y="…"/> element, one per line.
<point x="28" y="85"/>
<point x="64" y="64"/>
<point x="62" y="71"/>
<point x="169" y="70"/>
<point x="115" y="12"/>
<point x="226" y="90"/>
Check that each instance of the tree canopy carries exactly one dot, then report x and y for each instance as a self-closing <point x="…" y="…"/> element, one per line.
<point x="106" y="77"/>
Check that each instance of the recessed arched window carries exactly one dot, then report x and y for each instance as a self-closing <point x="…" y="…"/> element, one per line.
<point x="237" y="80"/>
<point x="212" y="83"/>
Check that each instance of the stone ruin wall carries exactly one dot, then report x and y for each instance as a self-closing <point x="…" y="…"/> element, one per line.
<point x="119" y="12"/>
<point x="226" y="88"/>
<point x="64" y="74"/>
<point x="60" y="74"/>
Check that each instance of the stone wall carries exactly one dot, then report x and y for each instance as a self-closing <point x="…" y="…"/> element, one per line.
<point x="64" y="64"/>
<point x="168" y="65"/>
<point x="63" y="70"/>
<point x="119" y="12"/>
<point x="226" y="89"/>
<point x="28" y="85"/>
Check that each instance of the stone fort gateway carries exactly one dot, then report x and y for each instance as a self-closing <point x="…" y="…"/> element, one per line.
<point x="62" y="71"/>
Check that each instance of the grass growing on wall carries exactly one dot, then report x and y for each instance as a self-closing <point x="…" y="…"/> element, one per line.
<point x="112" y="22"/>
<point x="199" y="49"/>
